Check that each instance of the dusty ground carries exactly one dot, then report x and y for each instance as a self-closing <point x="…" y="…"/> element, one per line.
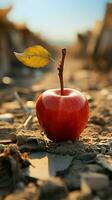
<point x="92" y="154"/>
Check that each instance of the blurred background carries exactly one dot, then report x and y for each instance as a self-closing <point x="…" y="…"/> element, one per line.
<point x="83" y="27"/>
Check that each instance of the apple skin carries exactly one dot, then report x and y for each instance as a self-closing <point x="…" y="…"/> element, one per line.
<point x="62" y="117"/>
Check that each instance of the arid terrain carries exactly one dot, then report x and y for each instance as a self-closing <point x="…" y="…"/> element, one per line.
<point x="88" y="170"/>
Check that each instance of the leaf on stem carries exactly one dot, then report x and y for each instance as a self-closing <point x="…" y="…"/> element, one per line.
<point x="35" y="56"/>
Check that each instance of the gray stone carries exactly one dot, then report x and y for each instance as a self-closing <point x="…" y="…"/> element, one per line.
<point x="72" y="176"/>
<point x="72" y="181"/>
<point x="95" y="181"/>
<point x="44" y="165"/>
<point x="87" y="157"/>
<point x="103" y="161"/>
<point x="94" y="168"/>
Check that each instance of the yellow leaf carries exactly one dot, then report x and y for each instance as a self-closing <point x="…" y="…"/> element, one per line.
<point x="35" y="56"/>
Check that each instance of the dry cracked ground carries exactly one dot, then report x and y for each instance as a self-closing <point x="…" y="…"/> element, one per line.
<point x="31" y="166"/>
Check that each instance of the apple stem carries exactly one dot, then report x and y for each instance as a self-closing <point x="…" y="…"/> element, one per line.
<point x="60" y="69"/>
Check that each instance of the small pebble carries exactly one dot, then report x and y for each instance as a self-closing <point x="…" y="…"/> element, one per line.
<point x="7" y="117"/>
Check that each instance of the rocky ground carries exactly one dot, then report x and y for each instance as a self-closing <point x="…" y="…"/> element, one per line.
<point x="89" y="173"/>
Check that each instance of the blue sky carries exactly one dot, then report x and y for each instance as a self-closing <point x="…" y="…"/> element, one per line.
<point x="57" y="20"/>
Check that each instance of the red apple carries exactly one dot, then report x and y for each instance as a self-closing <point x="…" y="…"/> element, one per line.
<point x="62" y="117"/>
